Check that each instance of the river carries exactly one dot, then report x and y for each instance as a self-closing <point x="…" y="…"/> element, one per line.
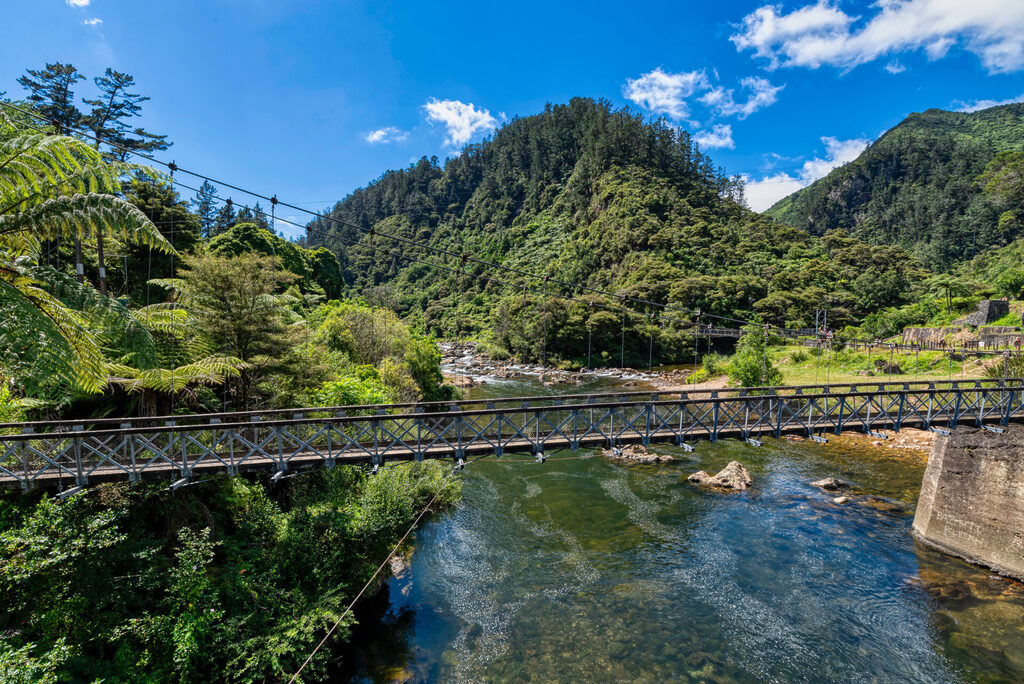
<point x="579" y="569"/>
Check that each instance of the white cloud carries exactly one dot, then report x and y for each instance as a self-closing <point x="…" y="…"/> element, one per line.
<point x="822" y="34"/>
<point x="78" y="3"/>
<point x="662" y="92"/>
<point x="765" y="192"/>
<point x="962" y="106"/>
<point x="462" y="121"/>
<point x="388" y="134"/>
<point x="895" y="67"/>
<point x="93" y="22"/>
<point x="762" y="94"/>
<point x="720" y="135"/>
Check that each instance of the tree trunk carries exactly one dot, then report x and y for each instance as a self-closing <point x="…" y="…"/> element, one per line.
<point x="79" y="267"/>
<point x="99" y="258"/>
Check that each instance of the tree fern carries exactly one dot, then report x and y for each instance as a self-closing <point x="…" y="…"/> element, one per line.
<point x="54" y="187"/>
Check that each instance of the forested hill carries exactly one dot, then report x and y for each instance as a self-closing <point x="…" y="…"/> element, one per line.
<point x="588" y="194"/>
<point x="922" y="185"/>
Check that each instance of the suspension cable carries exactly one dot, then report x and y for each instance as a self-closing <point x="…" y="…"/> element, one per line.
<point x="380" y="568"/>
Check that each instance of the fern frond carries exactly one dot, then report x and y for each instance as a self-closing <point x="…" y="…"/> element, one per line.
<point x="79" y="216"/>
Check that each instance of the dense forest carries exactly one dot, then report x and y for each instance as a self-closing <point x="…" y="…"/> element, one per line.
<point x="585" y="194"/>
<point x="118" y="298"/>
<point x="935" y="185"/>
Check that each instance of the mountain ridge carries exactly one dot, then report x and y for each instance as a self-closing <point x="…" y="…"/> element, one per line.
<point x="917" y="186"/>
<point x="587" y="194"/>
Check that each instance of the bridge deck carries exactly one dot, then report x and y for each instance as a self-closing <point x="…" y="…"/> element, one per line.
<point x="78" y="454"/>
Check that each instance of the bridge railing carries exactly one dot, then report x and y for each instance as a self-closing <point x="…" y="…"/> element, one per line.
<point x="177" y="452"/>
<point x="543" y="400"/>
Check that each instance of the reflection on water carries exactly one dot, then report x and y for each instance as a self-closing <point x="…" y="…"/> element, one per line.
<point x="580" y="569"/>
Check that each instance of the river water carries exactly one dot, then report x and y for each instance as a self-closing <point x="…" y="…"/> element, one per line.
<point x="579" y="569"/>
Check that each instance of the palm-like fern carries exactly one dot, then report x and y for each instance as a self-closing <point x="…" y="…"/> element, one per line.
<point x="57" y="187"/>
<point x="185" y="358"/>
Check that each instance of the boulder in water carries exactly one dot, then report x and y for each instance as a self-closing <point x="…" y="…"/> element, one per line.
<point x="733" y="477"/>
<point x="830" y="484"/>
<point x="636" y="454"/>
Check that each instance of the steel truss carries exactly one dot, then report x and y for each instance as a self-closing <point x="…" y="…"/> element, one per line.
<point x="80" y="453"/>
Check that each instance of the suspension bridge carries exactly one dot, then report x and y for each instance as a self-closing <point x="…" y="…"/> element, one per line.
<point x="73" y="454"/>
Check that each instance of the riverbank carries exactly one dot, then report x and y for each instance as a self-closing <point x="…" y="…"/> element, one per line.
<point x="464" y="365"/>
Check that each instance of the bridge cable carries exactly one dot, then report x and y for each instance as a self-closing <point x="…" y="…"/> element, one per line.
<point x="366" y="586"/>
<point x="622" y="344"/>
<point x="650" y="345"/>
<point x="341" y="222"/>
<point x="590" y="333"/>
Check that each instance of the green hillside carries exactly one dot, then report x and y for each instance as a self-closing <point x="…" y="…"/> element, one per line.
<point x="587" y="194"/>
<point x="918" y="186"/>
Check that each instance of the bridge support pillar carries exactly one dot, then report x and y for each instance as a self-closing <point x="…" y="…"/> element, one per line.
<point x="972" y="498"/>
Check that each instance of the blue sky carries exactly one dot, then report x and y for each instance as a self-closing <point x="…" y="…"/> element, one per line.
<point x="311" y="99"/>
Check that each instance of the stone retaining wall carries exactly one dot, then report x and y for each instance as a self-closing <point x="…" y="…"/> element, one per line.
<point x="972" y="498"/>
<point x="926" y="336"/>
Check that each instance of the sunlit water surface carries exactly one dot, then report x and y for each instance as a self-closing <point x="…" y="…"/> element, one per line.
<point x="579" y="569"/>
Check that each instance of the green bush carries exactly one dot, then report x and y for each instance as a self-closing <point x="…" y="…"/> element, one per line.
<point x="715" y="364"/>
<point x="799" y="356"/>
<point x="751" y="365"/>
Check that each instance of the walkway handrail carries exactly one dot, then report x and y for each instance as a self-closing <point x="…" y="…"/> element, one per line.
<point x="178" y="452"/>
<point x="464" y="404"/>
<point x="612" y="401"/>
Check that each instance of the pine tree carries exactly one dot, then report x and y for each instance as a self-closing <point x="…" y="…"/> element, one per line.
<point x="108" y="120"/>
<point x="224" y="219"/>
<point x="204" y="203"/>
<point x="111" y="113"/>
<point x="52" y="90"/>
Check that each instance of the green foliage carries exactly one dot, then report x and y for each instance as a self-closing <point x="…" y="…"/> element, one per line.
<point x="232" y="580"/>
<point x="751" y="365"/>
<point x="799" y="356"/>
<point x="587" y="194"/>
<point x="1011" y="283"/>
<point x="409" y="363"/>
<point x="715" y="364"/>
<point x="52" y="188"/>
<point x="318" y="266"/>
<point x="24" y="666"/>
<point x="934" y="184"/>
<point x="236" y="303"/>
<point x="351" y="391"/>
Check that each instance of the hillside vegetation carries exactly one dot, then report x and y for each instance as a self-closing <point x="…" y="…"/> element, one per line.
<point x="925" y="185"/>
<point x="590" y="195"/>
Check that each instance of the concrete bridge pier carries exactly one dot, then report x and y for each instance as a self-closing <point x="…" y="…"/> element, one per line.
<point x="972" y="498"/>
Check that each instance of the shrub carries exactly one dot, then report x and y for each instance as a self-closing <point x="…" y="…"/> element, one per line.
<point x="799" y="356"/>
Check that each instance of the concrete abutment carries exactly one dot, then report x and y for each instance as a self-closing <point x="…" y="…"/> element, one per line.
<point x="972" y="498"/>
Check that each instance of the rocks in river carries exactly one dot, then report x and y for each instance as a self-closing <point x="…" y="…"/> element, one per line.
<point x="636" y="454"/>
<point x="733" y="477"/>
<point x="458" y="380"/>
<point x="841" y="499"/>
<point x="830" y="484"/>
<point x="398" y="564"/>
